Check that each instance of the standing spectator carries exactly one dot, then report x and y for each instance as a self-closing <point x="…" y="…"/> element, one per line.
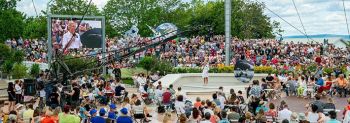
<point x="74" y="95"/>
<point x="256" y="89"/>
<point x="18" y="89"/>
<point x="11" y="95"/>
<point x="180" y="105"/>
<point x="54" y="98"/>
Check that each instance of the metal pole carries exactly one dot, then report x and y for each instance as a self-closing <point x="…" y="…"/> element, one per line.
<point x="227" y="31"/>
<point x="103" y="44"/>
<point x="49" y="37"/>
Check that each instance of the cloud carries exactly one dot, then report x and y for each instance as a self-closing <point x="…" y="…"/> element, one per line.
<point x="26" y="6"/>
<point x="318" y="16"/>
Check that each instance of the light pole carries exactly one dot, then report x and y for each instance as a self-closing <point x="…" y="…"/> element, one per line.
<point x="227" y="31"/>
<point x="49" y="37"/>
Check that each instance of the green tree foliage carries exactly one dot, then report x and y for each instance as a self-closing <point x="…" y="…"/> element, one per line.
<point x="19" y="71"/>
<point x="35" y="27"/>
<point x="35" y="70"/>
<point x="77" y="64"/>
<point x="248" y="19"/>
<point x="11" y="24"/>
<point x="122" y="14"/>
<point x="5" y="52"/>
<point x="17" y="56"/>
<point x="6" y="67"/>
<point x="147" y="63"/>
<point x="73" y="7"/>
<point x="8" y="4"/>
<point x="163" y="67"/>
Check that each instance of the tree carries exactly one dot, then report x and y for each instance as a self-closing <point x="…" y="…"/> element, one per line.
<point x="73" y="7"/>
<point x="7" y="67"/>
<point x="8" y="4"/>
<point x="163" y="67"/>
<point x="5" y="52"/>
<point x="147" y="63"/>
<point x="11" y="24"/>
<point x="19" y="71"/>
<point x="76" y="64"/>
<point x="35" y="70"/>
<point x="122" y="14"/>
<point x="35" y="27"/>
<point x="248" y="19"/>
<point x="17" y="56"/>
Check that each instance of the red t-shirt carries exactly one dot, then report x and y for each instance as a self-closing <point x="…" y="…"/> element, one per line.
<point x="47" y="120"/>
<point x="318" y="60"/>
<point x="166" y="97"/>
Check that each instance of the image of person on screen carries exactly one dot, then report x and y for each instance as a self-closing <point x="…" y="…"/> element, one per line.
<point x="68" y="42"/>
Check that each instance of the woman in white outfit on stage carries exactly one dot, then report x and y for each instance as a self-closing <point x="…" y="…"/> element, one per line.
<point x="205" y="73"/>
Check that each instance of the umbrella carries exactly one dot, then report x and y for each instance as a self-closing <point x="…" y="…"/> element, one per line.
<point x="92" y="38"/>
<point x="243" y="65"/>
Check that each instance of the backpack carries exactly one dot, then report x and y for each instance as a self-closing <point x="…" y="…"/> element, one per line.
<point x="161" y="109"/>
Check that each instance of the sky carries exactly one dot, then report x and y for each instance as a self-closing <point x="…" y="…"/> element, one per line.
<point x="318" y="16"/>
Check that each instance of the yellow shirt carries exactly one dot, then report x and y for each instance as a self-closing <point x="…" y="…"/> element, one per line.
<point x="28" y="114"/>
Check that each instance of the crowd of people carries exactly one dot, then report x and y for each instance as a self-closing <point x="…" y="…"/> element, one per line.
<point x="97" y="99"/>
<point x="193" y="51"/>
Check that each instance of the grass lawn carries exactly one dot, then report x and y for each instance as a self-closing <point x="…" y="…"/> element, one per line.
<point x="128" y="72"/>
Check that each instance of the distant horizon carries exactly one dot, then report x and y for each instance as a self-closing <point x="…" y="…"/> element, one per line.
<point x="325" y="35"/>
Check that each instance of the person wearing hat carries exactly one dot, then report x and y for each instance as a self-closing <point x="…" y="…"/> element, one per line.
<point x="124" y="118"/>
<point x="112" y="112"/>
<point x="98" y="119"/>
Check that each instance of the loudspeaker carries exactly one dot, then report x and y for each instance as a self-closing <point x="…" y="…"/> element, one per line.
<point x="29" y="87"/>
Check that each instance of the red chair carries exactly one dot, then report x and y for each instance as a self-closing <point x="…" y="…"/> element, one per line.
<point x="327" y="87"/>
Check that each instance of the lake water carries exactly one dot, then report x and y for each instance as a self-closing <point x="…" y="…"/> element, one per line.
<point x="334" y="41"/>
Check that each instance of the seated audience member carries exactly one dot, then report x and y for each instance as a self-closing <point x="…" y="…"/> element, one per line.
<point x="207" y="117"/>
<point x="100" y="118"/>
<point x="333" y="116"/>
<point x="166" y="97"/>
<point x="232" y="115"/>
<point x="224" y="117"/>
<point x="112" y="111"/>
<point x="124" y="118"/>
<point x="285" y="113"/>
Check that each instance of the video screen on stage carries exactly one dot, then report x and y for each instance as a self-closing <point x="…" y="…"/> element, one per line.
<point x="71" y="33"/>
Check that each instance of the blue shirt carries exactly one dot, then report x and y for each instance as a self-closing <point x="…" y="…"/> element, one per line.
<point x="224" y="120"/>
<point x="320" y="82"/>
<point x="112" y="115"/>
<point x="261" y="107"/>
<point x="98" y="119"/>
<point x="124" y="119"/>
<point x="333" y="121"/>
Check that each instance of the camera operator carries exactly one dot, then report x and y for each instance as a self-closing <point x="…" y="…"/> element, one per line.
<point x="74" y="95"/>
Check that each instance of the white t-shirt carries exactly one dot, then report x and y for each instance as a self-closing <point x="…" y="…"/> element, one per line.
<point x="222" y="101"/>
<point x="76" y="43"/>
<point x="42" y="93"/>
<point x="180" y="107"/>
<point x="18" y="89"/>
<point x="312" y="117"/>
<point x="285" y="114"/>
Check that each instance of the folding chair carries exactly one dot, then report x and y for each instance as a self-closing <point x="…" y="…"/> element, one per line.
<point x="109" y="120"/>
<point x="139" y="115"/>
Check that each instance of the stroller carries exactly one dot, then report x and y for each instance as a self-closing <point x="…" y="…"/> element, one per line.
<point x="146" y="98"/>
